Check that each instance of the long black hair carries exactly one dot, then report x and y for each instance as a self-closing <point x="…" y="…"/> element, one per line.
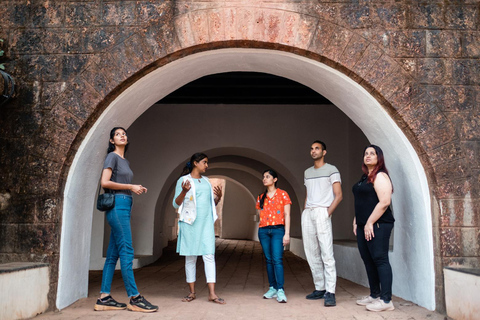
<point x="264" y="195"/>
<point x="111" y="146"/>
<point x="197" y="157"/>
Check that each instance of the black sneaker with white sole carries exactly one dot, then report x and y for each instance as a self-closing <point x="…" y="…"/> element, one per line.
<point x="108" y="303"/>
<point x="140" y="304"/>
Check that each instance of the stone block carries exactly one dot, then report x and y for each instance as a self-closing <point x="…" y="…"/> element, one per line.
<point x="437" y="135"/>
<point x="184" y="31"/>
<point x="71" y="65"/>
<point x="432" y="71"/>
<point x="230" y="21"/>
<point x="338" y="42"/>
<point x="80" y="14"/>
<point x="328" y="11"/>
<point x="381" y="69"/>
<point x="148" y="11"/>
<point x="117" y="13"/>
<point x="461" y="16"/>
<point x="467" y="124"/>
<point x="16" y="14"/>
<point x="47" y="14"/>
<point x="114" y="75"/>
<point x="456" y="169"/>
<point x="216" y="24"/>
<point x="443" y="43"/>
<point x="353" y="51"/>
<point x="132" y="55"/>
<point x="322" y="37"/>
<point x="389" y="15"/>
<point x="304" y="32"/>
<point x="8" y="237"/>
<point x="64" y="119"/>
<point x="27" y="41"/>
<point x="48" y="210"/>
<point x="245" y="23"/>
<point x="466" y="71"/>
<point x="471" y="151"/>
<point x="98" y="39"/>
<point x="453" y="98"/>
<point x="355" y="15"/>
<point x="469" y="44"/>
<point x="451" y="241"/>
<point x="426" y="15"/>
<point x="51" y="91"/>
<point x="368" y="60"/>
<point x="451" y="151"/>
<point x="199" y="26"/>
<point x="453" y="188"/>
<point x="399" y="43"/>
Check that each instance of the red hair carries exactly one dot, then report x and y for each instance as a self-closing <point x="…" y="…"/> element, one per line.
<point x="380" y="167"/>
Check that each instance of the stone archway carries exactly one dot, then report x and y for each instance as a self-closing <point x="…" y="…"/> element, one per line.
<point x="414" y="225"/>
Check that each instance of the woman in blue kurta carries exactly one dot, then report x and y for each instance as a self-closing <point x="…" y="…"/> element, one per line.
<point x="196" y="201"/>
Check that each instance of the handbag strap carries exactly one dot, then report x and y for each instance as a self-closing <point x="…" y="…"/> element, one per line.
<point x="107" y="190"/>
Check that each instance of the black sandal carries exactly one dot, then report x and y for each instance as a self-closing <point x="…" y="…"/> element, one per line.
<point x="189" y="298"/>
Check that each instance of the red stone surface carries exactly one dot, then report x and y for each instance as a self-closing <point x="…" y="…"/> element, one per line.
<point x="70" y="58"/>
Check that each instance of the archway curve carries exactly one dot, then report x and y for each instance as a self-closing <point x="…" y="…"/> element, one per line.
<point x="413" y="228"/>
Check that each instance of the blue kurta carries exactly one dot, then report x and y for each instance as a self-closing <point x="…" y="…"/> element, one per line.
<point x="197" y="239"/>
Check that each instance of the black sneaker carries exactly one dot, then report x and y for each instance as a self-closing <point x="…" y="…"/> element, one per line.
<point x="108" y="303"/>
<point x="141" y="304"/>
<point x="330" y="300"/>
<point x="315" y="295"/>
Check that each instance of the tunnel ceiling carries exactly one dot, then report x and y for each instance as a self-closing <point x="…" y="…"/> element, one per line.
<point x="244" y="88"/>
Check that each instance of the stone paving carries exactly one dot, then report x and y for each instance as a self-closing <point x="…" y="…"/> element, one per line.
<point x="241" y="281"/>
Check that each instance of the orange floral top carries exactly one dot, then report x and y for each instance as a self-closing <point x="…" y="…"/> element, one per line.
<point x="273" y="212"/>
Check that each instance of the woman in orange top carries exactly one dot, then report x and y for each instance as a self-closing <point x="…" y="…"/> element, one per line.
<point x="274" y="232"/>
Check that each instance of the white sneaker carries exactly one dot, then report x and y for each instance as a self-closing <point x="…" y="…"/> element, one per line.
<point x="366" y="300"/>
<point x="379" y="305"/>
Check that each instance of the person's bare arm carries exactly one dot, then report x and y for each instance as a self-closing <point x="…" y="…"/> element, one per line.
<point x="337" y="192"/>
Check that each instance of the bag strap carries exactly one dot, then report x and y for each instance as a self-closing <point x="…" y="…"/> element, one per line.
<point x="101" y="172"/>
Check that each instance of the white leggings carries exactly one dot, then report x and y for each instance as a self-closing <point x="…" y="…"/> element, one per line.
<point x="191" y="268"/>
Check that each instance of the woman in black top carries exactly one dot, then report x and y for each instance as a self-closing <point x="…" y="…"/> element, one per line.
<point x="117" y="177"/>
<point x="373" y="224"/>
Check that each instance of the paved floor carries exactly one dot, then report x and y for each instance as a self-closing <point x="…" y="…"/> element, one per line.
<point x="241" y="281"/>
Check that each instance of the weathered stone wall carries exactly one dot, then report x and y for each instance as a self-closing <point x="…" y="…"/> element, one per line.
<point x="71" y="58"/>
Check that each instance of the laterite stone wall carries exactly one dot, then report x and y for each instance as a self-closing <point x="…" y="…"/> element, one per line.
<point x="70" y="59"/>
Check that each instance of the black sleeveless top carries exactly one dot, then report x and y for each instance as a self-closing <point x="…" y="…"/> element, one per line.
<point x="365" y="201"/>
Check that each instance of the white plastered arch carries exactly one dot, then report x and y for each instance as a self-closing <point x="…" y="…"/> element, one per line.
<point x="412" y="258"/>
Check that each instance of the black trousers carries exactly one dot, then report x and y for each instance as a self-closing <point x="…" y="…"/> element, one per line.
<point x="374" y="254"/>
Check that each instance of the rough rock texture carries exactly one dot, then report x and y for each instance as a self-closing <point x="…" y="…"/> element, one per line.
<point x="420" y="60"/>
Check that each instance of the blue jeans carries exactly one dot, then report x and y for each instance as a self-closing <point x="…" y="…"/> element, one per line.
<point x="120" y="246"/>
<point x="271" y="239"/>
<point x="374" y="254"/>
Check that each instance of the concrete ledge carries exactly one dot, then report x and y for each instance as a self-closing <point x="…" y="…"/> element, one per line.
<point x="24" y="289"/>
<point x="462" y="287"/>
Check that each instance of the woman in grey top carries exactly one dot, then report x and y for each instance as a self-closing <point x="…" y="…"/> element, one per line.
<point x="117" y="177"/>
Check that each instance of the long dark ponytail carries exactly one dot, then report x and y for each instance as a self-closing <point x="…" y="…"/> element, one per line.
<point x="197" y="157"/>
<point x="264" y="195"/>
<point x="111" y="146"/>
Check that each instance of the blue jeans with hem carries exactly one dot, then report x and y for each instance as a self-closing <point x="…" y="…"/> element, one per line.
<point x="271" y="239"/>
<point x="120" y="246"/>
<point x="374" y="254"/>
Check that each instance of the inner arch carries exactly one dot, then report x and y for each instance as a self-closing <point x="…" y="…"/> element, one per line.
<point x="412" y="258"/>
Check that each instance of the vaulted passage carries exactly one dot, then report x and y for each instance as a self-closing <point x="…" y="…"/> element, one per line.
<point x="241" y="141"/>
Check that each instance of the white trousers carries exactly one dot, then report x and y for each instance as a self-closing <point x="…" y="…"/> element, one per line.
<point x="191" y="268"/>
<point x="318" y="245"/>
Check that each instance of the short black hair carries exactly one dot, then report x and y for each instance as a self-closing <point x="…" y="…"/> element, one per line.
<point x="324" y="146"/>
